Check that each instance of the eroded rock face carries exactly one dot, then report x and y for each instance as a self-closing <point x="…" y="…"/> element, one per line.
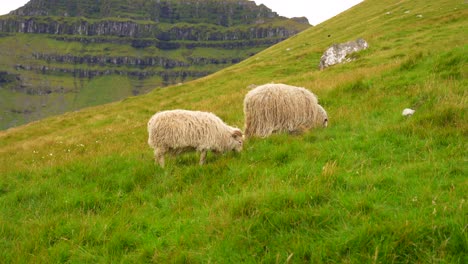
<point x="338" y="53"/>
<point x="139" y="30"/>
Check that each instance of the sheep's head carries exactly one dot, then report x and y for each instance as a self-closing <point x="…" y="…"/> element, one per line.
<point x="237" y="140"/>
<point x="322" y="117"/>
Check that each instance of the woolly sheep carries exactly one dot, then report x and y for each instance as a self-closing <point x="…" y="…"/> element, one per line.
<point x="177" y="131"/>
<point x="274" y="108"/>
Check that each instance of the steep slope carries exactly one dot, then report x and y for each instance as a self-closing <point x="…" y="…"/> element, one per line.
<point x="372" y="187"/>
<point x="58" y="56"/>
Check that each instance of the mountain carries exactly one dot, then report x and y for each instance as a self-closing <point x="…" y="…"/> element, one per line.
<point x="372" y="187"/>
<point x="63" y="55"/>
<point x="220" y="12"/>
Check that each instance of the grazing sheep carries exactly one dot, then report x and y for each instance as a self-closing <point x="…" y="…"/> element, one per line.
<point x="274" y="108"/>
<point x="177" y="131"/>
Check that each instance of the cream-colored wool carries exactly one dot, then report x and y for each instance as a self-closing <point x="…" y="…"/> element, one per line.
<point x="177" y="131"/>
<point x="273" y="108"/>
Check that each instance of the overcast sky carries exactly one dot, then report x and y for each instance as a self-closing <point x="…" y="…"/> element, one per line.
<point x="316" y="11"/>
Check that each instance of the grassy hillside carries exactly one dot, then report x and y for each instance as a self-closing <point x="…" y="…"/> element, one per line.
<point x="373" y="187"/>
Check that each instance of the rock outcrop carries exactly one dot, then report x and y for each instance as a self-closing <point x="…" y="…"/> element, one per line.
<point x="338" y="53"/>
<point x="138" y="30"/>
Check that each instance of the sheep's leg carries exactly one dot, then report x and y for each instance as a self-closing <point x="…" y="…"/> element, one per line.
<point x="161" y="161"/>
<point x="159" y="157"/>
<point x="202" y="157"/>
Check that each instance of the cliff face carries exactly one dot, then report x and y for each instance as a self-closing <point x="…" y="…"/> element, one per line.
<point x="54" y="51"/>
<point x="132" y="29"/>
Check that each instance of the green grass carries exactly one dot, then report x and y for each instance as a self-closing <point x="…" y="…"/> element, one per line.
<point x="373" y="187"/>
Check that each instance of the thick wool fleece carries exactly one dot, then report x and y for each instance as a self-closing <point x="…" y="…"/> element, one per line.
<point x="176" y="131"/>
<point x="274" y="108"/>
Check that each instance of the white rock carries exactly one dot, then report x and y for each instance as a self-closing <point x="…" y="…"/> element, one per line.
<point x="337" y="52"/>
<point x="408" y="112"/>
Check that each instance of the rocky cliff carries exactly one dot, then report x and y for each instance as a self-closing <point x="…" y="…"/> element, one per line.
<point x="62" y="55"/>
<point x="137" y="29"/>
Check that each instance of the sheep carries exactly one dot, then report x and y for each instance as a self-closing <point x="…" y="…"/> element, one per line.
<point x="274" y="108"/>
<point x="177" y="131"/>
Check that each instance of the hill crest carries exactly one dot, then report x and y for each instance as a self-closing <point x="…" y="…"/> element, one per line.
<point x="219" y="12"/>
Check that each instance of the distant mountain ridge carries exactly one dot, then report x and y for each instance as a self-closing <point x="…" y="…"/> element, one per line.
<point x="63" y="55"/>
<point x="219" y="12"/>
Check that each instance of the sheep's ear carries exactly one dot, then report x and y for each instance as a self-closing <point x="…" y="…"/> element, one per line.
<point x="237" y="133"/>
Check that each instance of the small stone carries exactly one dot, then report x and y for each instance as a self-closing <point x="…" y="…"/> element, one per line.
<point x="408" y="112"/>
